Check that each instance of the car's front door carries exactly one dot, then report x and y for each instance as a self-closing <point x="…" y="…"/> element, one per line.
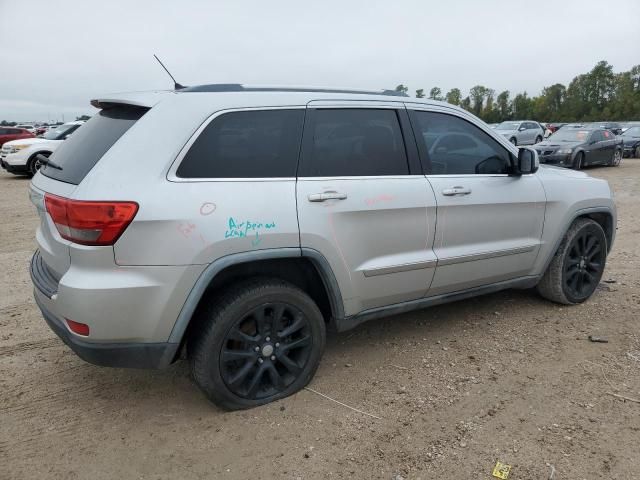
<point x="595" y="151"/>
<point x="489" y="224"/>
<point x="364" y="204"/>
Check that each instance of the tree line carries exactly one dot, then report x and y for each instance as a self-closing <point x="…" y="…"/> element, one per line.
<point x="597" y="95"/>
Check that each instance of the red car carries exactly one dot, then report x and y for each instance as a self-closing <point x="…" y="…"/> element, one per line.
<point x="11" y="133"/>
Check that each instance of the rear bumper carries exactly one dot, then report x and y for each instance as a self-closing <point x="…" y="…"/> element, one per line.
<point x="120" y="355"/>
<point x="122" y="325"/>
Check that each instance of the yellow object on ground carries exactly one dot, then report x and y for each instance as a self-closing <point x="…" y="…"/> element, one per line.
<point x="501" y="470"/>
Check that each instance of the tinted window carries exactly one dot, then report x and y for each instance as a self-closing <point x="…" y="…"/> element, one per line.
<point x="355" y="142"/>
<point x="80" y="153"/>
<point x="453" y="146"/>
<point x="5" y="131"/>
<point x="251" y="144"/>
<point x="597" y="136"/>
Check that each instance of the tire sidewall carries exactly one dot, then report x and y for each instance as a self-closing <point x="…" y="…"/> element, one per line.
<point x="590" y="227"/>
<point x="578" y="162"/>
<point x="214" y="386"/>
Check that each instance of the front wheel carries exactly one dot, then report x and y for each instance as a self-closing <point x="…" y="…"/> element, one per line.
<point x="617" y="158"/>
<point x="577" y="163"/>
<point x="637" y="152"/>
<point x="578" y="264"/>
<point x="513" y="140"/>
<point x="257" y="342"/>
<point x="35" y="163"/>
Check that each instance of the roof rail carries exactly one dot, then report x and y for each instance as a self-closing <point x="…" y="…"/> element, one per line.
<point x="237" y="87"/>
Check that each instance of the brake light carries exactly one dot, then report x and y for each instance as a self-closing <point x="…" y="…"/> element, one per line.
<point x="88" y="222"/>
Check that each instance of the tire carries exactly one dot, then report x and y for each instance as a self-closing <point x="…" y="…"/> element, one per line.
<point x="538" y="139"/>
<point x="260" y="365"/>
<point x="578" y="264"/>
<point x="637" y="152"/>
<point x="34" y="164"/>
<point x="577" y="162"/>
<point x="514" y="140"/>
<point x="616" y="160"/>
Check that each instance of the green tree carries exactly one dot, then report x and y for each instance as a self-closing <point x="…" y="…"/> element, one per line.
<point x="503" y="106"/>
<point x="402" y="89"/>
<point x="477" y="95"/>
<point x="420" y="93"/>
<point x="522" y="107"/>
<point x="453" y="96"/>
<point x="435" y="93"/>
<point x="466" y="103"/>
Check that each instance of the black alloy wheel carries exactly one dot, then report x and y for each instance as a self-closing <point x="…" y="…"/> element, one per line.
<point x="584" y="264"/>
<point x="265" y="351"/>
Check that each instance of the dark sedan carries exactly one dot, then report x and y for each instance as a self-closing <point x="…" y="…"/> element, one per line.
<point x="631" y="142"/>
<point x="580" y="147"/>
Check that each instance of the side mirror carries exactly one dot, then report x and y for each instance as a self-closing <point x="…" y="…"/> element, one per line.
<point x="521" y="129"/>
<point x="527" y="161"/>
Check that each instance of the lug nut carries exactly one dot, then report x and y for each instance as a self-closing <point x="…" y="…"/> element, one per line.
<point x="260" y="360"/>
<point x="273" y="357"/>
<point x="268" y="339"/>
<point x="277" y="344"/>
<point x="257" y="349"/>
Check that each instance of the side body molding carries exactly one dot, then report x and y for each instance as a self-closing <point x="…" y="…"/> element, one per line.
<point x="220" y="264"/>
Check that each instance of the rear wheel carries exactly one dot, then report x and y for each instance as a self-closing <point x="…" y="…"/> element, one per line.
<point x="34" y="163"/>
<point x="513" y="140"/>
<point x="617" y="159"/>
<point x="577" y="163"/>
<point x="538" y="139"/>
<point x="578" y="264"/>
<point x="637" y="152"/>
<point x="257" y="342"/>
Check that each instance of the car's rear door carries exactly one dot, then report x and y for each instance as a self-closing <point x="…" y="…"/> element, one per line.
<point x="595" y="151"/>
<point x="489" y="222"/>
<point x="364" y="204"/>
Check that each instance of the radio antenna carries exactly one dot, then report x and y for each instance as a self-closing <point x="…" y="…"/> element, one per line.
<point x="176" y="85"/>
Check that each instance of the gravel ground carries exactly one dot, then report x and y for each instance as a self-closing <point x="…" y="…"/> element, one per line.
<point x="506" y="377"/>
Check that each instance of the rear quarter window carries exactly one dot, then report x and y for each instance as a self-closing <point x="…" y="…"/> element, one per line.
<point x="85" y="147"/>
<point x="246" y="144"/>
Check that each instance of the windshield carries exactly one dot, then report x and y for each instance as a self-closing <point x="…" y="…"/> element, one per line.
<point x="632" y="132"/>
<point x="60" y="132"/>
<point x="570" y="135"/>
<point x="508" y="126"/>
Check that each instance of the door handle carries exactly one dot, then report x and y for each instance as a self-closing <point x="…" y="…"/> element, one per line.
<point x="450" y="192"/>
<point x="331" y="195"/>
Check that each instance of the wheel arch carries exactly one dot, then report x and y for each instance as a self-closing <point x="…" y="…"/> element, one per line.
<point x="305" y="268"/>
<point x="604" y="216"/>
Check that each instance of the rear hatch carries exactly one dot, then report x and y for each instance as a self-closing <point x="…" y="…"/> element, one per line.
<point x="75" y="157"/>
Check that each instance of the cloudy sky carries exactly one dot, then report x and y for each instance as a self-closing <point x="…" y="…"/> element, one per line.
<point x="57" y="55"/>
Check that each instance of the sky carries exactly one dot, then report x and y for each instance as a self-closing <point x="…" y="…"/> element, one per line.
<point x="55" y="56"/>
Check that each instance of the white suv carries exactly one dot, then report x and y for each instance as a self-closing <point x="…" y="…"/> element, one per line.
<point x="241" y="222"/>
<point x="21" y="156"/>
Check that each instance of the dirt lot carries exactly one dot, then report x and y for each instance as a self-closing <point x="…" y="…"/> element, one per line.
<point x="506" y="377"/>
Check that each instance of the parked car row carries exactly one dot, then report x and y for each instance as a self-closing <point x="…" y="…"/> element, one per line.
<point x="24" y="154"/>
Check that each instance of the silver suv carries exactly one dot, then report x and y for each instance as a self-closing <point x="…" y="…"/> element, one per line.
<point x="521" y="132"/>
<point x="240" y="223"/>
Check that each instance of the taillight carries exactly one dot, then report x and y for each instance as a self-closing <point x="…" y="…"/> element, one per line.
<point x="88" y="222"/>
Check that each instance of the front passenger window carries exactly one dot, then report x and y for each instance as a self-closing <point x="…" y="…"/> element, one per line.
<point x="450" y="145"/>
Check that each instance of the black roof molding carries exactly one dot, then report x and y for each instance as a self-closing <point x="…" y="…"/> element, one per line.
<point x="237" y="87"/>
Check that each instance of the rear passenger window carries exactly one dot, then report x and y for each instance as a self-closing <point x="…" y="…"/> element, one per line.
<point x="354" y="142"/>
<point x="450" y="145"/>
<point x="248" y="144"/>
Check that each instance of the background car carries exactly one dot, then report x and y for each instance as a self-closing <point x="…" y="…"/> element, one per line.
<point x="631" y="142"/>
<point x="579" y="147"/>
<point x="8" y="134"/>
<point x="521" y="132"/>
<point x="614" y="127"/>
<point x="27" y="127"/>
<point x="20" y="156"/>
